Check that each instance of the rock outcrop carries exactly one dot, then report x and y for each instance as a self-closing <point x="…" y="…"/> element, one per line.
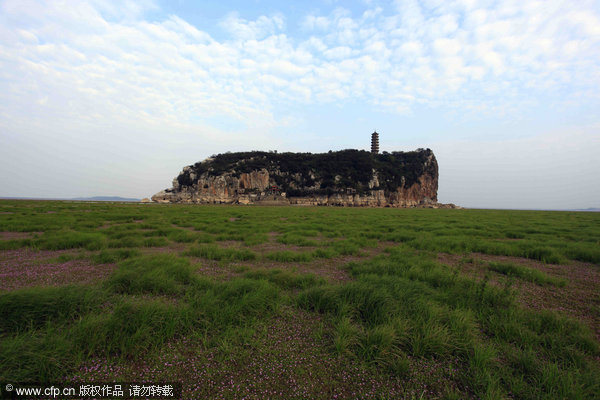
<point x="342" y="178"/>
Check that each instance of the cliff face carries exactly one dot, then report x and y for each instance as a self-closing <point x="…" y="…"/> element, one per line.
<point x="343" y="178"/>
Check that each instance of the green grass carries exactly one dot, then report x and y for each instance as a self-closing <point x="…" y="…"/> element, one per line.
<point x="32" y="308"/>
<point x="404" y="304"/>
<point x="297" y="239"/>
<point x="181" y="236"/>
<point x="50" y="329"/>
<point x="289" y="256"/>
<point x="394" y="312"/>
<point x="14" y="244"/>
<point x="159" y="274"/>
<point x="214" y="252"/>
<point x="71" y="240"/>
<point x="286" y="279"/>
<point x="112" y="256"/>
<point x="525" y="273"/>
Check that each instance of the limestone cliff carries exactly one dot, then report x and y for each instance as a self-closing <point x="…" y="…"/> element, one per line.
<point x="342" y="178"/>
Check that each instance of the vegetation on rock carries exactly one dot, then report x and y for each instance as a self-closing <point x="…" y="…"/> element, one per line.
<point x="305" y="174"/>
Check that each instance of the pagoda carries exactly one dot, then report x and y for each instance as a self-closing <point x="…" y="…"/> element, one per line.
<point x="375" y="142"/>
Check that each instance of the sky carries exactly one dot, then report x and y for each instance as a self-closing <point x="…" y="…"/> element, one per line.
<point x="114" y="98"/>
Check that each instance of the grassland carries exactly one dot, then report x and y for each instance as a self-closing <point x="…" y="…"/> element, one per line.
<point x="281" y="302"/>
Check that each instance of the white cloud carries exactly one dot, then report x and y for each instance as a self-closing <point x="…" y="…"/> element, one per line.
<point x="312" y="22"/>
<point x="80" y="65"/>
<point x="258" y="29"/>
<point x="116" y="57"/>
<point x="340" y="52"/>
<point x="446" y="47"/>
<point x="412" y="47"/>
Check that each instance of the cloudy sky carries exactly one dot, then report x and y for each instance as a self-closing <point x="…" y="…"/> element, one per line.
<point x="114" y="98"/>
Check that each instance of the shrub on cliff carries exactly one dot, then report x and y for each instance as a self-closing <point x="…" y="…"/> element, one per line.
<point x="302" y="174"/>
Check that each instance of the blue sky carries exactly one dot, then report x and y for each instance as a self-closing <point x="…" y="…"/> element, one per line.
<point x="107" y="97"/>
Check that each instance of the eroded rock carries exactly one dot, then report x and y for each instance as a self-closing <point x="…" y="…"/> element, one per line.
<point x="345" y="178"/>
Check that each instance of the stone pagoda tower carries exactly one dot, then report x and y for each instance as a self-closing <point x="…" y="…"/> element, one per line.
<point x="375" y="142"/>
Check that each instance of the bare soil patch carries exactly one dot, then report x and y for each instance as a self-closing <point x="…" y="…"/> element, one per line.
<point x="25" y="267"/>
<point x="217" y="269"/>
<point x="580" y="298"/>
<point x="172" y="248"/>
<point x="332" y="269"/>
<point x="231" y="244"/>
<point x="275" y="246"/>
<point x="288" y="358"/>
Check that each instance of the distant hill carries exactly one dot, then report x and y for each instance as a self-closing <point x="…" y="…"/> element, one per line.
<point x="96" y="198"/>
<point x="106" y="198"/>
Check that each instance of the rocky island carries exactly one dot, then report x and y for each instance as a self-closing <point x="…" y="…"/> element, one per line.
<point x="336" y="178"/>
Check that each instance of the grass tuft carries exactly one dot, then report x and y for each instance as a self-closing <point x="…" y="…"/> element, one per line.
<point x="71" y="240"/>
<point x="289" y="256"/>
<point x="525" y="273"/>
<point x="159" y="274"/>
<point x="285" y="279"/>
<point x="32" y="308"/>
<point x="112" y="256"/>
<point x="214" y="252"/>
